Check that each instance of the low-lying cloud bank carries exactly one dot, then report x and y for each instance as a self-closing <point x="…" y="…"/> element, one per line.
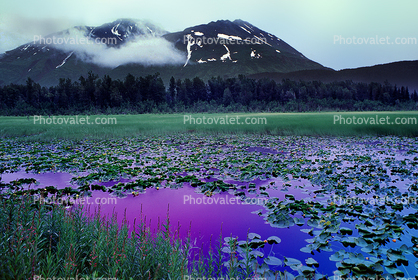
<point x="144" y="50"/>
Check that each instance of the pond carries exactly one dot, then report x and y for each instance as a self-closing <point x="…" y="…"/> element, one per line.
<point x="345" y="203"/>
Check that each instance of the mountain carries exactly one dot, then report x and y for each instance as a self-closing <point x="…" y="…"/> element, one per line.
<point x="237" y="47"/>
<point x="401" y="73"/>
<point x="123" y="31"/>
<point x="222" y="48"/>
<point x="46" y="62"/>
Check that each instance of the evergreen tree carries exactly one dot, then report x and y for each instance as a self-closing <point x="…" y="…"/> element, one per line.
<point x="227" y="97"/>
<point x="130" y="91"/>
<point x="172" y="91"/>
<point x="199" y="90"/>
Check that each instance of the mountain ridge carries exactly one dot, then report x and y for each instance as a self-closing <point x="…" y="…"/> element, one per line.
<point x="236" y="55"/>
<point x="240" y="49"/>
<point x="402" y="73"/>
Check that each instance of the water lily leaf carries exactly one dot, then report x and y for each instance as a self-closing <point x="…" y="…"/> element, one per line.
<point x="360" y="242"/>
<point x="349" y="241"/>
<point x="242" y="243"/>
<point x="226" y="250"/>
<point x="377" y="267"/>
<point x="308" y="249"/>
<point x="394" y="271"/>
<point x="345" y="231"/>
<point x="273" y="261"/>
<point x="258" y="212"/>
<point x="252" y="235"/>
<point x="311" y="240"/>
<point x="306" y="269"/>
<point x="228" y="240"/>
<point x="299" y="221"/>
<point x="367" y="249"/>
<point x="338" y="256"/>
<point x="406" y="250"/>
<point x="293" y="263"/>
<point x="256" y="243"/>
<point x="257" y="254"/>
<point x="283" y="223"/>
<point x="326" y="248"/>
<point x="273" y="240"/>
<point x="313" y="223"/>
<point x="307" y="230"/>
<point x="289" y="196"/>
<point x="287" y="275"/>
<point x="320" y="277"/>
<point x="399" y="259"/>
<point x="311" y="262"/>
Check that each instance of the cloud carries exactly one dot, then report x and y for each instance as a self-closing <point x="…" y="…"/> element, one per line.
<point x="32" y="26"/>
<point x="145" y="50"/>
<point x="16" y="30"/>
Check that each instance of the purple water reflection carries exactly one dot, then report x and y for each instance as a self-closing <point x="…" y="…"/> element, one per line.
<point x="206" y="220"/>
<point x="59" y="179"/>
<point x="202" y="221"/>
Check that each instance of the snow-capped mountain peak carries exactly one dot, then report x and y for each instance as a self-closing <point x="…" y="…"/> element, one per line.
<point x="125" y="30"/>
<point x="223" y="47"/>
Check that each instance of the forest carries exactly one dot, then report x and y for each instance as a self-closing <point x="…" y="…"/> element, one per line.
<point x="149" y="94"/>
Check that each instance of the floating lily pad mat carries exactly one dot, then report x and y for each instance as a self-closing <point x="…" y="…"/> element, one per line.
<point x="330" y="206"/>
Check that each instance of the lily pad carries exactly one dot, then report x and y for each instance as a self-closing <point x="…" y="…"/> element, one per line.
<point x="273" y="261"/>
<point x="273" y="240"/>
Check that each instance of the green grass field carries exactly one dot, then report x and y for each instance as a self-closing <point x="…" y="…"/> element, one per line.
<point x="317" y="124"/>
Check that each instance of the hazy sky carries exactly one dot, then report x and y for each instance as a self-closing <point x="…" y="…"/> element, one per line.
<point x="309" y="26"/>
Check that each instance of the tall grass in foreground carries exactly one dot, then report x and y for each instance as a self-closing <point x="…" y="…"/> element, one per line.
<point x="40" y="241"/>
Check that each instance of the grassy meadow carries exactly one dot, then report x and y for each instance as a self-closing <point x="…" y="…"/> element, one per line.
<point x="312" y="124"/>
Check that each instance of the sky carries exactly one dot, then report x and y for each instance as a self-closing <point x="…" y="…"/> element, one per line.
<point x="335" y="33"/>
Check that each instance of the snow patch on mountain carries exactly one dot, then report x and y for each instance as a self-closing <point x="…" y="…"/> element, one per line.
<point x="190" y="43"/>
<point x="25" y="47"/>
<point x="245" y="29"/>
<point x="249" y="27"/>
<point x="254" y="54"/>
<point x="114" y="30"/>
<point x="229" y="37"/>
<point x="227" y="55"/>
<point x="150" y="30"/>
<point x="262" y="41"/>
<point x="65" y="60"/>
